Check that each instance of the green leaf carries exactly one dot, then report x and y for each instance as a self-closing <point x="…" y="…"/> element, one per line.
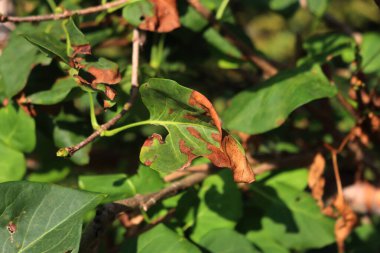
<point x="370" y="52"/>
<point x="318" y="8"/>
<point x="17" y="129"/>
<point x="48" y="218"/>
<point x="169" y="105"/>
<point x="16" y="62"/>
<point x="50" y="168"/>
<point x="282" y="4"/>
<point x="267" y="106"/>
<point x="12" y="165"/>
<point x="58" y="92"/>
<point x="136" y="11"/>
<point x="49" y="44"/>
<point x="287" y="214"/>
<point x="226" y="241"/>
<point x="322" y="48"/>
<point x="220" y="206"/>
<point x="120" y="186"/>
<point x="194" y="131"/>
<point x="219" y="42"/>
<point x="160" y="239"/>
<point x="68" y="132"/>
<point x="76" y="39"/>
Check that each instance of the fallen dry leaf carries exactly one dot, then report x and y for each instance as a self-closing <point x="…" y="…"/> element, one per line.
<point x="165" y="18"/>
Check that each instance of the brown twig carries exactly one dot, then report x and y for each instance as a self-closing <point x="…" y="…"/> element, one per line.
<point x="69" y="151"/>
<point x="267" y="68"/>
<point x="144" y="202"/>
<point x="65" y="14"/>
<point x="106" y="214"/>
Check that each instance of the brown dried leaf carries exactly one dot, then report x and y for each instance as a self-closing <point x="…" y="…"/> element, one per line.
<point x="237" y="161"/>
<point x="345" y="223"/>
<point x="166" y="17"/>
<point x="81" y="49"/>
<point x="108" y="76"/>
<point x="316" y="181"/>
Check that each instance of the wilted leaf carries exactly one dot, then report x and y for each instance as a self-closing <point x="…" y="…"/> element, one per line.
<point x="316" y="180"/>
<point x="268" y="105"/>
<point x="345" y="223"/>
<point x="194" y="130"/>
<point x="58" y="92"/>
<point x="49" y="220"/>
<point x="165" y="18"/>
<point x="94" y="71"/>
<point x="160" y="239"/>
<point x="78" y="42"/>
<point x="17" y="129"/>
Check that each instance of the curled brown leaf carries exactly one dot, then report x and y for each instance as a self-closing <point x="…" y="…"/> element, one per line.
<point x="316" y="181"/>
<point x="345" y="223"/>
<point x="165" y="18"/>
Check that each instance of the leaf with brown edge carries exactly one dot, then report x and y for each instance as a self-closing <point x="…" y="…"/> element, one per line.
<point x="165" y="18"/>
<point x="194" y="130"/>
<point x="78" y="42"/>
<point x="94" y="71"/>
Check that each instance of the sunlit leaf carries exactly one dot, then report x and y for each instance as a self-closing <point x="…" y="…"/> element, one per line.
<point x="194" y="130"/>
<point x="49" y="220"/>
<point x="267" y="106"/>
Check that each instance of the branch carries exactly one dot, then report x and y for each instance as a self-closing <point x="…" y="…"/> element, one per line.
<point x="65" y="14"/>
<point x="267" y="68"/>
<point x="106" y="214"/>
<point x="69" y="151"/>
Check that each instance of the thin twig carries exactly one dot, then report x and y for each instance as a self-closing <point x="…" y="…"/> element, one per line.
<point x="106" y="214"/>
<point x="69" y="151"/>
<point x="65" y="14"/>
<point x="267" y="68"/>
<point x="144" y="202"/>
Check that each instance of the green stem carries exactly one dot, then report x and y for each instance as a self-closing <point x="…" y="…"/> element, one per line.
<point x="94" y="122"/>
<point x="68" y="41"/>
<point x="52" y="5"/>
<point x="141" y="123"/>
<point x="119" y="129"/>
<point x="221" y="9"/>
